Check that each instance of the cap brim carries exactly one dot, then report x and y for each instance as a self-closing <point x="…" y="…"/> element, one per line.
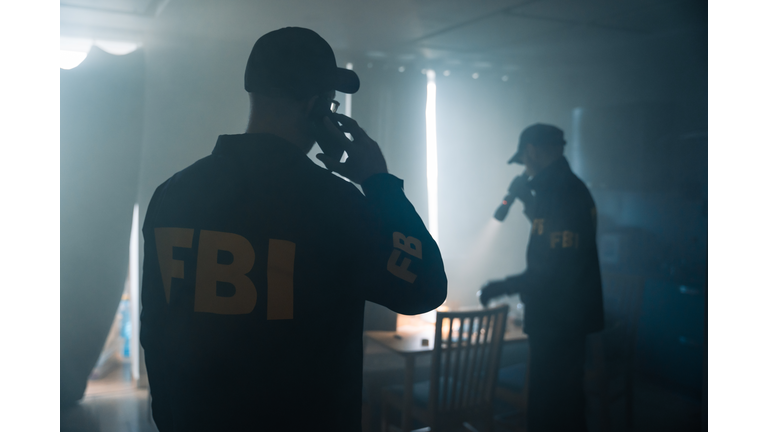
<point x="346" y="81"/>
<point x="517" y="158"/>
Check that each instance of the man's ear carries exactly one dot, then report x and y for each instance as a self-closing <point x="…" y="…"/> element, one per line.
<point x="530" y="151"/>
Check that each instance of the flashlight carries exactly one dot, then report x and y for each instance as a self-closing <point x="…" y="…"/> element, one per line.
<point x="503" y="210"/>
<point x="518" y="185"/>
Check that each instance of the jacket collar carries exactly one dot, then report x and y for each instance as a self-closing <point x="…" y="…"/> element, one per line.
<point x="255" y="145"/>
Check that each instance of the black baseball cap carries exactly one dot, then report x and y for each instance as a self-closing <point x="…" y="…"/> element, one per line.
<point x="296" y="61"/>
<point x="537" y="134"/>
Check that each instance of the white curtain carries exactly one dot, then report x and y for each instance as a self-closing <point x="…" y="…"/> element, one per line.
<point x="101" y="132"/>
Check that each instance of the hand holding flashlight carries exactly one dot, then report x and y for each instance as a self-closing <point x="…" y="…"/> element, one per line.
<point x="517" y="189"/>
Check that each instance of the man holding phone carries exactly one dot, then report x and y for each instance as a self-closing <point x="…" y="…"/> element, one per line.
<point x="258" y="262"/>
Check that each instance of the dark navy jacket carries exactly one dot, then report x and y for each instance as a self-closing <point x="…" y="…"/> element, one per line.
<point x="257" y="265"/>
<point x="561" y="287"/>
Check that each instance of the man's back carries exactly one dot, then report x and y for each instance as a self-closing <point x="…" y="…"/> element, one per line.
<point x="562" y="256"/>
<point x="257" y="266"/>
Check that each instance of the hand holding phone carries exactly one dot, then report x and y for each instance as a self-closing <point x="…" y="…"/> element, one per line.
<point x="323" y="108"/>
<point x="364" y="155"/>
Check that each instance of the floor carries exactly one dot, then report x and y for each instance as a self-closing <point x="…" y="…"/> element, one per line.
<point x="659" y="408"/>
<point x="110" y="404"/>
<point x="114" y="404"/>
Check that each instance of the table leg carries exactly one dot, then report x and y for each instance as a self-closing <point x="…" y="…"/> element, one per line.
<point x="405" y="423"/>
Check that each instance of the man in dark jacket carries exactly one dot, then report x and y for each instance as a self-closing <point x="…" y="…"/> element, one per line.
<point x="258" y="262"/>
<point x="561" y="286"/>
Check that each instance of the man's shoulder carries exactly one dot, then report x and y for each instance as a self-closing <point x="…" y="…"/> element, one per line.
<point x="197" y="169"/>
<point x="185" y="181"/>
<point x="204" y="167"/>
<point x="572" y="196"/>
<point x="221" y="176"/>
<point x="206" y="175"/>
<point x="574" y="187"/>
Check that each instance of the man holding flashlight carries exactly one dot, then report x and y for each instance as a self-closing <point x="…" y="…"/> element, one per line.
<point x="561" y="286"/>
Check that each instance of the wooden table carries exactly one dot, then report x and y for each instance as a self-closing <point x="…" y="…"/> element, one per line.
<point x="410" y="344"/>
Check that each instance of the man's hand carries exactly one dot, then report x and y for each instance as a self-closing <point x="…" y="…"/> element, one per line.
<point x="520" y="189"/>
<point x="493" y="289"/>
<point x="364" y="155"/>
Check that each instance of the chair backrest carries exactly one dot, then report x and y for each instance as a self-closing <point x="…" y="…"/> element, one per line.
<point x="623" y="298"/>
<point x="465" y="362"/>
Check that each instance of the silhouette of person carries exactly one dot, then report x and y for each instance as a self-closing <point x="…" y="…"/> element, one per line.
<point x="258" y="262"/>
<point x="561" y="286"/>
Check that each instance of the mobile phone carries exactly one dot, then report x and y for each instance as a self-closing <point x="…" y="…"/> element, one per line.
<point x="323" y="108"/>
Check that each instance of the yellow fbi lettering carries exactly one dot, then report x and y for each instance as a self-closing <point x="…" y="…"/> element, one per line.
<point x="565" y="239"/>
<point x="409" y="245"/>
<point x="280" y="279"/>
<point x="166" y="239"/>
<point x="209" y="271"/>
<point x="280" y="259"/>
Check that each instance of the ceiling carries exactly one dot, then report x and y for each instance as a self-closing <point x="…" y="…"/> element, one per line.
<point x="500" y="32"/>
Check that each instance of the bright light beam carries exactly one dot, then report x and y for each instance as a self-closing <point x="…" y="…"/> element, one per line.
<point x="432" y="154"/>
<point x="133" y="277"/>
<point x="480" y="249"/>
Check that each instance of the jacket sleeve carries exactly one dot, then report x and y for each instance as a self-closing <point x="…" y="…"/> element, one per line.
<point x="398" y="262"/>
<point x="561" y="244"/>
<point x="153" y="324"/>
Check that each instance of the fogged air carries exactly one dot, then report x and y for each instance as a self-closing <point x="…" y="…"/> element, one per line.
<point x="627" y="86"/>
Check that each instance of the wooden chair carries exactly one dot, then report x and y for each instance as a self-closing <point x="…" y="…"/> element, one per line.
<point x="610" y="353"/>
<point x="465" y="363"/>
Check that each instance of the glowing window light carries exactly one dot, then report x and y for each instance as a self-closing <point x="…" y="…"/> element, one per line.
<point x="348" y="113"/>
<point x="133" y="277"/>
<point x="73" y="51"/>
<point x="348" y="99"/>
<point x="117" y="47"/>
<point x="71" y="59"/>
<point x="432" y="154"/>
